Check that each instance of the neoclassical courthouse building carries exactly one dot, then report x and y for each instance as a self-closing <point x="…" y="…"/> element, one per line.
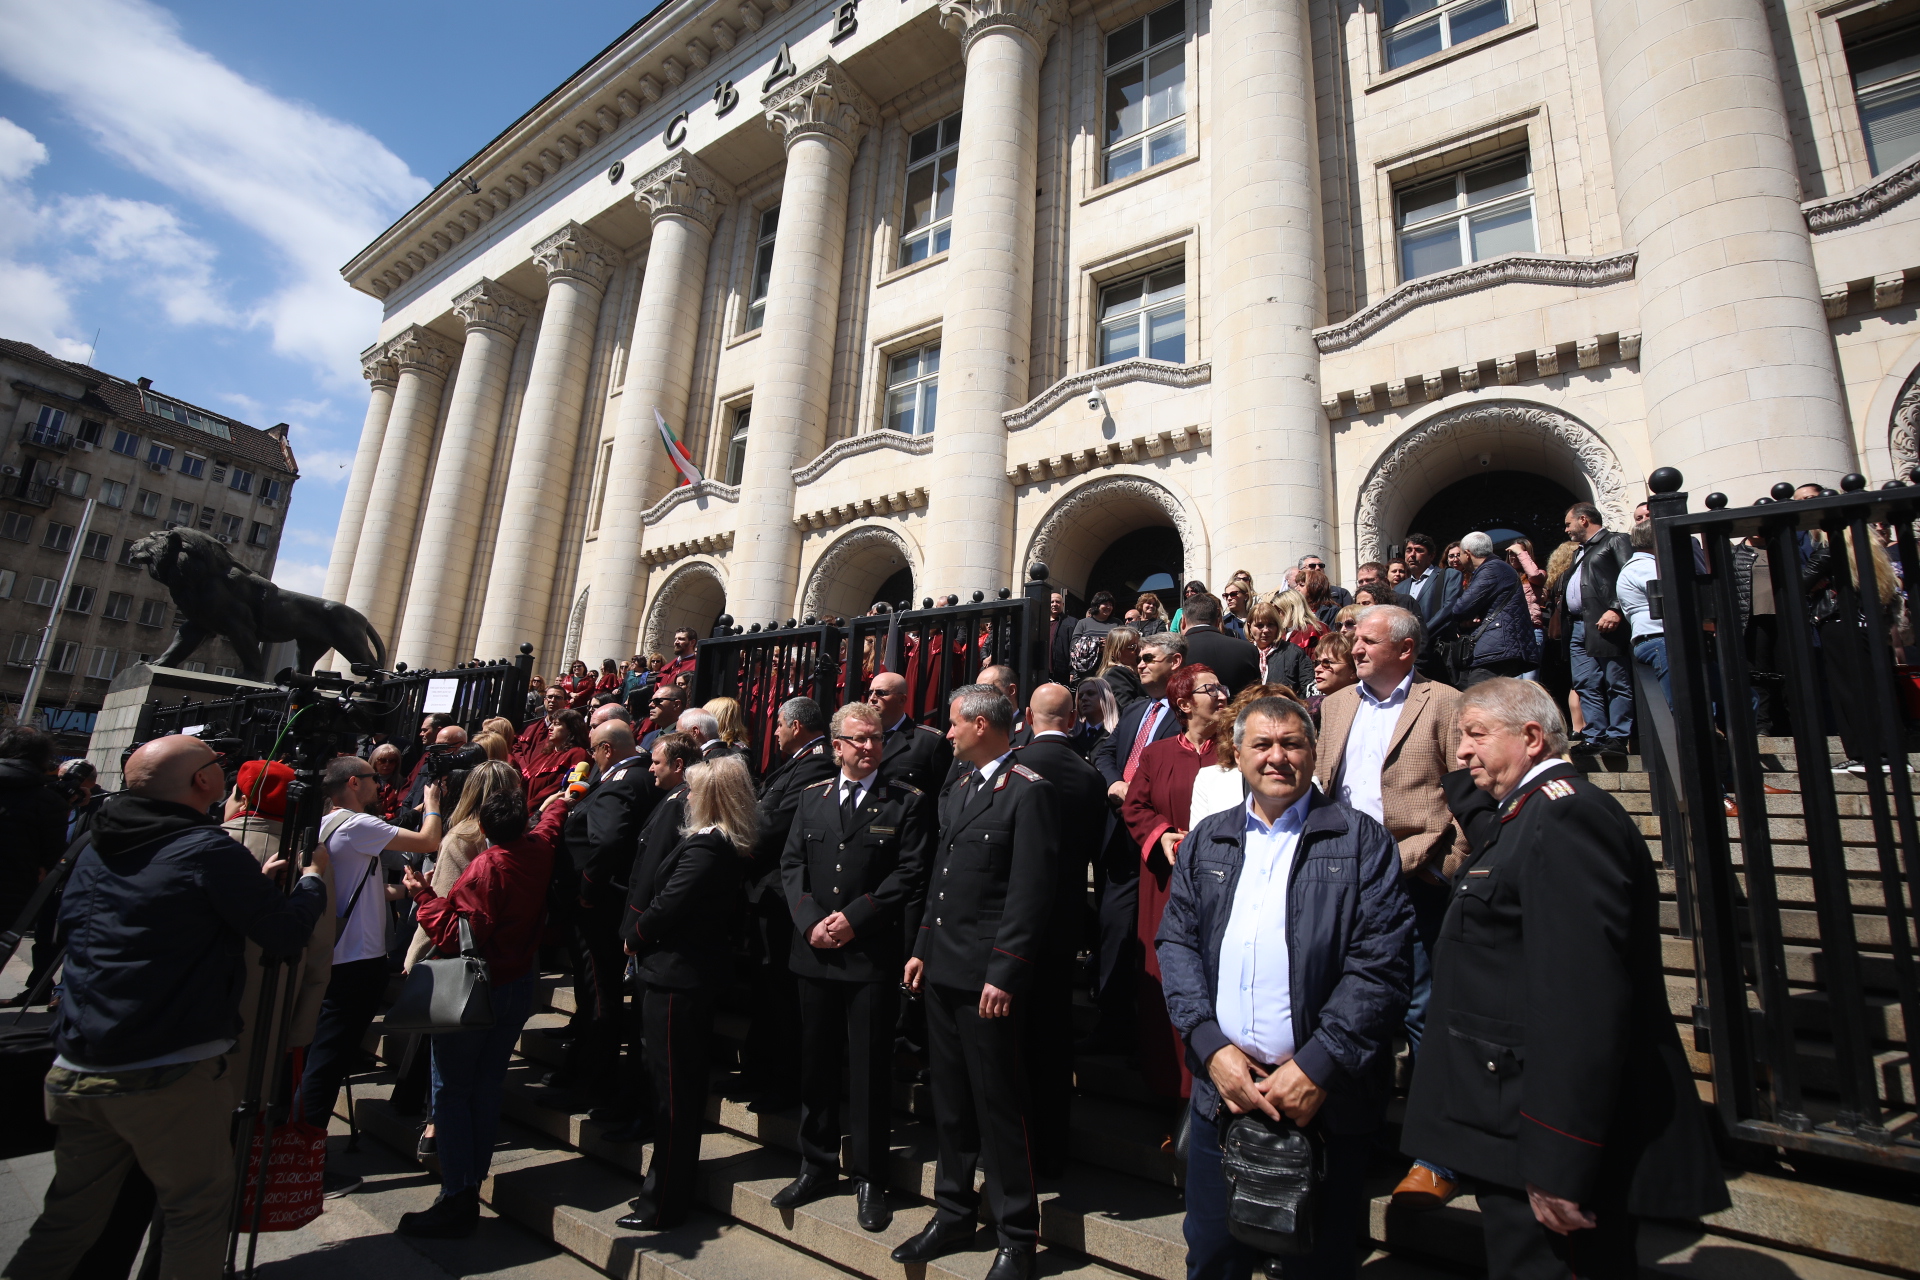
<point x="933" y="289"/>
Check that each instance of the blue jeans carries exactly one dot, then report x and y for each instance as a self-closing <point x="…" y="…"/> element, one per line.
<point x="469" y="1075"/>
<point x="1652" y="650"/>
<point x="1605" y="688"/>
<point x="1213" y="1253"/>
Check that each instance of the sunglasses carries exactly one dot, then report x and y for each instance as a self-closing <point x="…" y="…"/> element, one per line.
<point x="1212" y="690"/>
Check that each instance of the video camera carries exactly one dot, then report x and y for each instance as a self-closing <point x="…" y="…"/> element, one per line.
<point x="449" y="766"/>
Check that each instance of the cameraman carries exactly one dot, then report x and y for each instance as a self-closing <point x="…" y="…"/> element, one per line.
<point x="356" y="840"/>
<point x="447" y="738"/>
<point x="157" y="914"/>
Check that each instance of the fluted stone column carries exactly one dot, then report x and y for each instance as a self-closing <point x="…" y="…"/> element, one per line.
<point x="520" y="587"/>
<point x="450" y="530"/>
<point x="1270" y="440"/>
<point x="985" y="335"/>
<point x="377" y="365"/>
<point x="822" y="116"/>
<point x="684" y="198"/>
<point x="423" y="359"/>
<point x="1737" y="363"/>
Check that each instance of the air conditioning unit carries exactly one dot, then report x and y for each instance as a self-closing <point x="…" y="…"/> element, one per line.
<point x="83" y="446"/>
<point x="224" y="539"/>
<point x="158" y="468"/>
<point x="268" y="502"/>
<point x="9" y="470"/>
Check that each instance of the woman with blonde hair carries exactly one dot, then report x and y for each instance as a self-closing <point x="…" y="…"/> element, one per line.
<point x="733" y="725"/>
<point x="1095" y="715"/>
<point x="1556" y="669"/>
<point x="1153" y="618"/>
<point x="500" y="725"/>
<point x="1298" y="625"/>
<point x="677" y="931"/>
<point x="464" y="838"/>
<point x="1120" y="666"/>
<point x="496" y="747"/>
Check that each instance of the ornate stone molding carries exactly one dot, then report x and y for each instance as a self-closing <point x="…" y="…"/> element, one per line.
<point x="1158" y="372"/>
<point x="1060" y="466"/>
<point x="575" y="253"/>
<point x="1863" y="204"/>
<point x="1515" y="268"/>
<point x="854" y="446"/>
<point x="491" y="305"/>
<point x="838" y="558"/>
<point x="682" y="186"/>
<point x="1903" y="437"/>
<point x="713" y="543"/>
<point x="423" y="351"/>
<point x="971" y="19"/>
<point x="658" y="637"/>
<point x="378" y="366"/>
<point x="1596" y="460"/>
<point x="1067" y="514"/>
<point x="823" y="103"/>
<point x="884" y="504"/>
<point x="687" y="493"/>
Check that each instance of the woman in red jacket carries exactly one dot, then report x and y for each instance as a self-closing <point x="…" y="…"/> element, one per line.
<point x="502" y="895"/>
<point x="545" y="768"/>
<point x="579" y="683"/>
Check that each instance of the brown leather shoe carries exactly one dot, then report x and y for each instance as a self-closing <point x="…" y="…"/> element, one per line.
<point x="1422" y="1188"/>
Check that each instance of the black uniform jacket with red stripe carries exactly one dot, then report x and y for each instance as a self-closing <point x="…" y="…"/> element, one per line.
<point x="1550" y="1055"/>
<point x="873" y="869"/>
<point x="991" y="889"/>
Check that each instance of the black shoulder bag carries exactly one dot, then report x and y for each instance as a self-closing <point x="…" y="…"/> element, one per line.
<point x="1274" y="1171"/>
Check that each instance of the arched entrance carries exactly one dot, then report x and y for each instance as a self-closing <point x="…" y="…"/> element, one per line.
<point x="859" y="567"/>
<point x="1112" y="534"/>
<point x="1501" y="504"/>
<point x="1133" y="559"/>
<point x="1555" y="454"/>
<point x="692" y="596"/>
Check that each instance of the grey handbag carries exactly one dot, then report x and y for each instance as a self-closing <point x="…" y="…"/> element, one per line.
<point x="441" y="996"/>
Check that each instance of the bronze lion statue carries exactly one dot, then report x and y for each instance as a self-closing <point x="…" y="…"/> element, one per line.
<point x="214" y="594"/>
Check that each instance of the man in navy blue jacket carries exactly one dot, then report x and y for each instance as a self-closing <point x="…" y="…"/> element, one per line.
<point x="157" y="914"/>
<point x="1284" y="953"/>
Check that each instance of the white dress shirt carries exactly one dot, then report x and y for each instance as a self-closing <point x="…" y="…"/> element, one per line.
<point x="988" y="769"/>
<point x="1254" y="1001"/>
<point x="1371" y="734"/>
<point x="1530" y="775"/>
<point x="857" y="787"/>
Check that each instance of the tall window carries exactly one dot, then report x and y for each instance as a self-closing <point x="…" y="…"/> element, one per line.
<point x="1886" y="84"/>
<point x="270" y="491"/>
<point x="1147" y="91"/>
<point x="737" y="444"/>
<point x="1416" y="28"/>
<point x="913" y="390"/>
<point x="1145" y="316"/>
<point x="926" y="224"/>
<point x="148" y="504"/>
<point x="762" y="269"/>
<point x="65" y="654"/>
<point x="260" y="535"/>
<point x="113" y="494"/>
<point x="49" y="426"/>
<point x="1468" y="216"/>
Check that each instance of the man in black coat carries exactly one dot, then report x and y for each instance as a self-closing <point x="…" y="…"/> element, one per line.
<point x="1236" y="662"/>
<point x="989" y="899"/>
<point x="770" y="1057"/>
<point x="1600" y="644"/>
<point x="1059" y="637"/>
<point x="1562" y="1089"/>
<point x="1081" y="797"/>
<point x="854" y="872"/>
<point x="916" y="753"/>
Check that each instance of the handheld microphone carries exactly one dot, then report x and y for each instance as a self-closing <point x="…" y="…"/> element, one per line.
<point x="577" y="780"/>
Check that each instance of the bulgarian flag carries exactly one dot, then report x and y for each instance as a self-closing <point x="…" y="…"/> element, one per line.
<point x="677" y="452"/>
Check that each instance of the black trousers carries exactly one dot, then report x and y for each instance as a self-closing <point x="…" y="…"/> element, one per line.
<point x="1121" y="957"/>
<point x="679" y="1032"/>
<point x="979" y="1082"/>
<point x="1519" y="1248"/>
<point x="1048" y="1022"/>
<point x="600" y="1004"/>
<point x="850" y="1023"/>
<point x="353" y="996"/>
<point x="774" y="1026"/>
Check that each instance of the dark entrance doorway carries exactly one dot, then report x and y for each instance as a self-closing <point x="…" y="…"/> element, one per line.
<point x="1129" y="561"/>
<point x="1501" y="504"/>
<point x="897" y="590"/>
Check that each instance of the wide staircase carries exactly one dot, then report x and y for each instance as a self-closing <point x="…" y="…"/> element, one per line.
<point x="1118" y="1210"/>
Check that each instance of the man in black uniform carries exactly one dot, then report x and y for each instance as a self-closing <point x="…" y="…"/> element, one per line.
<point x="773" y="1034"/>
<point x="915" y="753"/>
<point x="988" y="901"/>
<point x="1563" y="1090"/>
<point x="1081" y="803"/>
<point x="854" y="873"/>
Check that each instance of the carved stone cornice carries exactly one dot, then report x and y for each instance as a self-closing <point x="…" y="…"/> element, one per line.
<point x="1515" y="268"/>
<point x="378" y="367"/>
<point x="1158" y="372"/>
<point x="878" y="505"/>
<point x="712" y="544"/>
<point x="854" y="446"/>
<point x="1863" y="204"/>
<point x="823" y="103"/>
<point x="687" y="493"/>
<point x="491" y="305"/>
<point x="422" y="351"/>
<point x="681" y="186"/>
<point x="971" y="19"/>
<point x="575" y="253"/>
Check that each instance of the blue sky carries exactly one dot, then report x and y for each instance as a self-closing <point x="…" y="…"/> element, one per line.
<point x="185" y="180"/>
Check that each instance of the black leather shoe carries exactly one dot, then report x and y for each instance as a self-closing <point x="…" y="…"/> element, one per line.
<point x="646" y="1218"/>
<point x="874" y="1214"/>
<point x="804" y="1189"/>
<point x="1012" y="1264"/>
<point x="452" y="1217"/>
<point x="936" y="1239"/>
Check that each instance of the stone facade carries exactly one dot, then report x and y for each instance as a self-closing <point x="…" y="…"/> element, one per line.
<point x="1669" y="245"/>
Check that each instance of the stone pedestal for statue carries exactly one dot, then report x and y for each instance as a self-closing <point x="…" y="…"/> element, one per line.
<point x="117" y="726"/>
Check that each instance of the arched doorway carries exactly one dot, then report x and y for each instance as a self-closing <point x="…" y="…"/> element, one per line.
<point x="1133" y="559"/>
<point x="1112" y="534"/>
<point x="692" y="596"/>
<point x="864" y="565"/>
<point x="1501" y="504"/>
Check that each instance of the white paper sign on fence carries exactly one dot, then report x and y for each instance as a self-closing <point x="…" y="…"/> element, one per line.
<point x="440" y="694"/>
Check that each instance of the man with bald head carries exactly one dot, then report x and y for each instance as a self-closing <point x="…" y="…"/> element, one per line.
<point x="157" y="914"/>
<point x="917" y="754"/>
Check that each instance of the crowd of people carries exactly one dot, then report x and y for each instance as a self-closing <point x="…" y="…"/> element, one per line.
<point x="1276" y="837"/>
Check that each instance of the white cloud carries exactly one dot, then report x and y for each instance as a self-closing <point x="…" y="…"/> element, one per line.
<point x="20" y="152"/>
<point x="300" y="575"/>
<point x="313" y="188"/>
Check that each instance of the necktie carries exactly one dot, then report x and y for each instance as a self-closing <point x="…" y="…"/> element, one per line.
<point x="1141" y="739"/>
<point x="848" y="809"/>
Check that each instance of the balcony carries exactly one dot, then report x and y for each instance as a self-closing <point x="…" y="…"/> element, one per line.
<point x="47" y="440"/>
<point x="28" y="490"/>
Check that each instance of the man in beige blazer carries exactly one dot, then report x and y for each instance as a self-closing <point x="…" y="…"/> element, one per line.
<point x="1384" y="744"/>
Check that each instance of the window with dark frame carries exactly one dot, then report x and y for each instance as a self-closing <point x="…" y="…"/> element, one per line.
<point x="1413" y="29"/>
<point x="240" y="481"/>
<point x="230" y="527"/>
<point x="148" y="503"/>
<point x="49" y="426"/>
<point x="193" y="466"/>
<point x="261" y="535"/>
<point x="1145" y="316"/>
<point x="80" y="598"/>
<point x="102" y="664"/>
<point x="926" y="222"/>
<point x="113" y="493"/>
<point x="97" y="545"/>
<point x="16" y="526"/>
<point x="159" y="455"/>
<point x="126" y="442"/>
<point x="118" y="608"/>
<point x="1470" y="215"/>
<point x="153" y="613"/>
<point x="1146" y="100"/>
<point x="58" y="537"/>
<point x="1886" y="88"/>
<point x="762" y="269"/>
<point x="737" y="444"/>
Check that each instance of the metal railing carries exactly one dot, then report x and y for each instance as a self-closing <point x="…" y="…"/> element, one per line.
<point x="1797" y="1008"/>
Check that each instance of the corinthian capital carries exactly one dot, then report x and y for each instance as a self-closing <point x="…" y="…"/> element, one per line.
<point x="971" y="19"/>
<point x="682" y="186"/>
<point x="491" y="305"/>
<point x="377" y="366"/>
<point x="575" y="253"/>
<point x="823" y="103"/>
<point x="417" y="350"/>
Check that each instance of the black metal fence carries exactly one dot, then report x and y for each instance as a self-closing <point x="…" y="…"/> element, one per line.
<point x="1801" y="907"/>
